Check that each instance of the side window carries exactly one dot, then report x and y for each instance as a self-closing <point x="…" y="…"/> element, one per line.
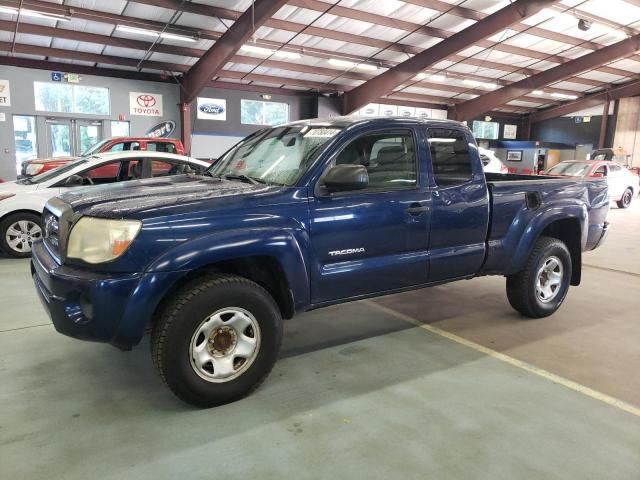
<point x="106" y="173"/>
<point x="390" y="159"/>
<point x="601" y="170"/>
<point x="615" y="168"/>
<point x="164" y="168"/>
<point x="449" y="156"/>
<point x="122" y="146"/>
<point x="164" y="147"/>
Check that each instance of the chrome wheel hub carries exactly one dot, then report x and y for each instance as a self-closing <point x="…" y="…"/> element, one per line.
<point x="549" y="279"/>
<point x="225" y="345"/>
<point x="21" y="234"/>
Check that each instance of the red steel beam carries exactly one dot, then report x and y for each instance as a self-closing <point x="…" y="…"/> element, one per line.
<point x="629" y="89"/>
<point x="479" y="105"/>
<point x="227" y="46"/>
<point x="392" y="78"/>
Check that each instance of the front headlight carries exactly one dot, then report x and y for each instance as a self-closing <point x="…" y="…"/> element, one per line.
<point x="98" y="240"/>
<point x="34" y="168"/>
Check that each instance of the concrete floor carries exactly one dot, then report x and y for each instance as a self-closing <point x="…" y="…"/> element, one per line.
<point x="359" y="391"/>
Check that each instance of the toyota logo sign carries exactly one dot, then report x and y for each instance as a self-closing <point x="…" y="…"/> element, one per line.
<point x="146" y="101"/>
<point x="146" y="104"/>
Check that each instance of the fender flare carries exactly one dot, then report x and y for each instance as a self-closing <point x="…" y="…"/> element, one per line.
<point x="538" y="223"/>
<point x="281" y="244"/>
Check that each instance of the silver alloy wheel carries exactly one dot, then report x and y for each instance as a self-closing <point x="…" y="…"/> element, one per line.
<point x="549" y="279"/>
<point x="627" y="196"/>
<point x="225" y="345"/>
<point x="21" y="234"/>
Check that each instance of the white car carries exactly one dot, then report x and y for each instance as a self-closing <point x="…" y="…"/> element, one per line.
<point x="491" y="163"/>
<point x="22" y="201"/>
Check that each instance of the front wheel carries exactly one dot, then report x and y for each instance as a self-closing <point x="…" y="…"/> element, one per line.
<point x="541" y="287"/>
<point x="217" y="339"/>
<point x="18" y="232"/>
<point x="625" y="200"/>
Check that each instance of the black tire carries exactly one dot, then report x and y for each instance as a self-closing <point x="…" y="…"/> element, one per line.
<point x="521" y="287"/>
<point x="625" y="200"/>
<point x="24" y="249"/>
<point x="182" y="316"/>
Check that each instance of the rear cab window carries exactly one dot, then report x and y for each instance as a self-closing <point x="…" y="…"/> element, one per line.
<point x="164" y="147"/>
<point x="449" y="150"/>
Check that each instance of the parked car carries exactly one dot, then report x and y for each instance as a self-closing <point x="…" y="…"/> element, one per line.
<point x="490" y="162"/>
<point x="622" y="183"/>
<point x="21" y="202"/>
<point x="294" y="218"/>
<point x="114" y="144"/>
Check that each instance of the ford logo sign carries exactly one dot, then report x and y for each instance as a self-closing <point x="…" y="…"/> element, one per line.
<point x="211" y="108"/>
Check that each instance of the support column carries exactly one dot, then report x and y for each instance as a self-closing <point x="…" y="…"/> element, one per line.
<point x="604" y="124"/>
<point x="526" y="128"/>
<point x="185" y="122"/>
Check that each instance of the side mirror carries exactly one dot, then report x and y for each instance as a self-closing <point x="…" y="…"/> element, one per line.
<point x="74" y="181"/>
<point x="344" y="178"/>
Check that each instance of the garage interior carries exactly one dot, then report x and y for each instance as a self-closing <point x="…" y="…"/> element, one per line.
<point x="444" y="382"/>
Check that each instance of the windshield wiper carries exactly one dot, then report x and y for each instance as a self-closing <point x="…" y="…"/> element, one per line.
<point x="243" y="177"/>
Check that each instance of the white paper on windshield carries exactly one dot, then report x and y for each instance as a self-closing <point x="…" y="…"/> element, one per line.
<point x="322" y="132"/>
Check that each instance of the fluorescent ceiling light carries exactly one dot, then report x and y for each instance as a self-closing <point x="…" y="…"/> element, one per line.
<point x="268" y="51"/>
<point x="538" y="92"/>
<point x="564" y="96"/>
<point x="154" y="33"/>
<point x="477" y="83"/>
<point x="25" y="12"/>
<point x="346" y="64"/>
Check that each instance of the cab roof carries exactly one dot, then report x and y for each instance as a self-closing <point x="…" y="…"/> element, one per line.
<point x="347" y="121"/>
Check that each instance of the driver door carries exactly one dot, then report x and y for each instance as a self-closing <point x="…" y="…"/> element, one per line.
<point x="376" y="239"/>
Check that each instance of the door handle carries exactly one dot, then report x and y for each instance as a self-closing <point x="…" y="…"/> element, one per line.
<point x="416" y="209"/>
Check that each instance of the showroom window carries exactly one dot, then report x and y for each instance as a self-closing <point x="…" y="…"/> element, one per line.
<point x="449" y="156"/>
<point x="486" y="130"/>
<point x="119" y="129"/>
<point x="256" y="112"/>
<point x="64" y="98"/>
<point x="390" y="159"/>
<point x="24" y="134"/>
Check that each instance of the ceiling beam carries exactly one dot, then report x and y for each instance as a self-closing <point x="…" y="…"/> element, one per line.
<point x="630" y="89"/>
<point x="488" y="101"/>
<point x="386" y="82"/>
<point x="202" y="9"/>
<point x="51" y="32"/>
<point x="227" y="45"/>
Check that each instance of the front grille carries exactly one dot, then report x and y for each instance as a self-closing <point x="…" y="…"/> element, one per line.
<point x="57" y="220"/>
<point x="51" y="225"/>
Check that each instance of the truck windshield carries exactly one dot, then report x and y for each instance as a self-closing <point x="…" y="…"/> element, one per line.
<point x="277" y="155"/>
<point x="95" y="148"/>
<point x="571" y="169"/>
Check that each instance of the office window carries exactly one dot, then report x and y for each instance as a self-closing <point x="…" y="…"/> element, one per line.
<point x="256" y="112"/>
<point x="486" y="130"/>
<point x="65" y="98"/>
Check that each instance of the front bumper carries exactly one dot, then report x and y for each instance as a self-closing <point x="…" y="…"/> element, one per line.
<point x="102" y="307"/>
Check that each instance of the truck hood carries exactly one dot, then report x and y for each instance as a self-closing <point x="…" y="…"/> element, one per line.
<point x="139" y="198"/>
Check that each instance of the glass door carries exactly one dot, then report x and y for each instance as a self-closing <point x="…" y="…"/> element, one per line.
<point x="88" y="134"/>
<point x="71" y="137"/>
<point x="59" y="138"/>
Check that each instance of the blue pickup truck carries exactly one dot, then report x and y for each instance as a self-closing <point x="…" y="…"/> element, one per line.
<point x="294" y="218"/>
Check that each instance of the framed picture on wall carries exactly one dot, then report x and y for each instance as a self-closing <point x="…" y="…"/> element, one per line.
<point x="514" y="155"/>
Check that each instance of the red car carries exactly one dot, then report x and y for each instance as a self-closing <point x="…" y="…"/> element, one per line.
<point x="37" y="166"/>
<point x="623" y="184"/>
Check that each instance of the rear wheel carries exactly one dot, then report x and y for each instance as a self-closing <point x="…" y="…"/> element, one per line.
<point x="217" y="339"/>
<point x="541" y="287"/>
<point x="18" y="232"/>
<point x="626" y="198"/>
